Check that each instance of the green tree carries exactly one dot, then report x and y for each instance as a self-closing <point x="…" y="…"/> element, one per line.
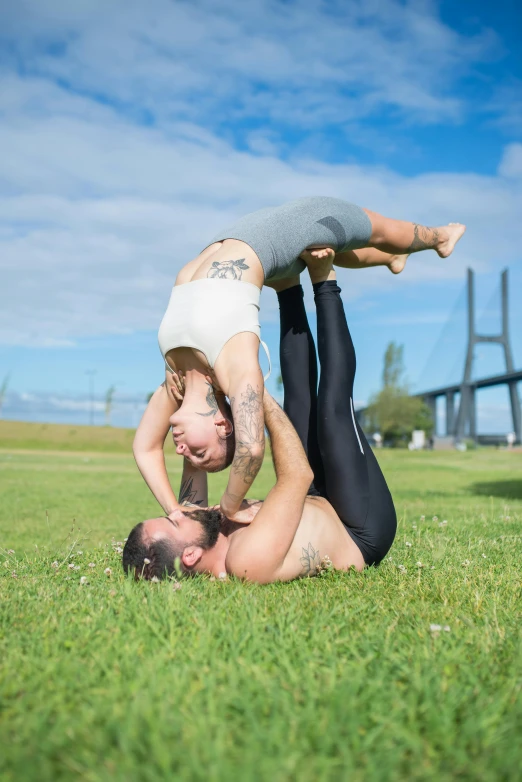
<point x="109" y="396"/>
<point x="393" y="412"/>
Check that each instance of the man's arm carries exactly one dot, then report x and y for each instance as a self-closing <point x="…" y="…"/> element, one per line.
<point x="148" y="447"/>
<point x="259" y="552"/>
<point x="246" y="401"/>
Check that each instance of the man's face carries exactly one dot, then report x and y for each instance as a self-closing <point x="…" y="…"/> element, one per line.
<point x="182" y="529"/>
<point x="178" y="528"/>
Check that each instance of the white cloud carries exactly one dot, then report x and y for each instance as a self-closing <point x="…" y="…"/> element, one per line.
<point x="98" y="214"/>
<point x="113" y="180"/>
<point x="511" y="163"/>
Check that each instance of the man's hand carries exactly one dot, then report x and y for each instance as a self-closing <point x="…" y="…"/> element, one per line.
<point x="246" y="513"/>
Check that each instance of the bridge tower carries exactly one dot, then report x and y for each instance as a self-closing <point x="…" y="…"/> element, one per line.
<point x="467" y="412"/>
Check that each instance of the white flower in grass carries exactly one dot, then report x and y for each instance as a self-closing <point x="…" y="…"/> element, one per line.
<point x="146" y="561"/>
<point x="408" y="544"/>
<point x="222" y="576"/>
<point x="107" y="571"/>
<point x="83" y="580"/>
<point x="117" y="549"/>
<point x="14" y="574"/>
<point x="91" y="564"/>
<point x="414" y="526"/>
<point x="55" y="564"/>
<point x="70" y="565"/>
<point x="176" y="585"/>
<point x="76" y="567"/>
<point x="155" y="580"/>
<point x="484" y="556"/>
<point x="402" y="568"/>
<point x="466" y="562"/>
<point x="442" y="523"/>
<point x="6" y="563"/>
<point x="422" y="518"/>
<point x="419" y="564"/>
<point x="79" y="553"/>
<point x="125" y="540"/>
<point x="435" y="518"/>
<point x="10" y="551"/>
<point x="439" y="628"/>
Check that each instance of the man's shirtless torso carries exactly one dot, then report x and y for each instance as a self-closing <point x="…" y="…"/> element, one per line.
<point x="320" y="537"/>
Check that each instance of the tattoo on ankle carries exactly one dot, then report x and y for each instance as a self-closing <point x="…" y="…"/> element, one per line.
<point x="249" y="426"/>
<point x="423" y="238"/>
<point x="228" y="270"/>
<point x="211" y="402"/>
<point x="188" y="495"/>
<point x="310" y="560"/>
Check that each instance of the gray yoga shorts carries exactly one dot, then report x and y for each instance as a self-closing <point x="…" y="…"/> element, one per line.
<point x="278" y="235"/>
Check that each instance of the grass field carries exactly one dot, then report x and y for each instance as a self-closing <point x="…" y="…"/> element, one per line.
<point x="333" y="678"/>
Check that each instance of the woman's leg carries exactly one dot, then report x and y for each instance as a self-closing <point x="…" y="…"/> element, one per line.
<point x="370" y="256"/>
<point x="299" y="371"/>
<point x="398" y="236"/>
<point x="354" y="483"/>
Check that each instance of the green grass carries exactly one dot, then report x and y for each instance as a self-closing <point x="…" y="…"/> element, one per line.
<point x="334" y="678"/>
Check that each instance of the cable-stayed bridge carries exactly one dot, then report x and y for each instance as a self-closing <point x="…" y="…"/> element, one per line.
<point x="461" y="396"/>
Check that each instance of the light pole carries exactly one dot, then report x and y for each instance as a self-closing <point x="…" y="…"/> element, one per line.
<point x="90" y="373"/>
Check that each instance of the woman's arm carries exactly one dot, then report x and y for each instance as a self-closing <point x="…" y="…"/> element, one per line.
<point x="246" y="400"/>
<point x="148" y="446"/>
<point x="194" y="486"/>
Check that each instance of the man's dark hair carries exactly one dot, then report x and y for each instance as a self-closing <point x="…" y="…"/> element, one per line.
<point x="162" y="553"/>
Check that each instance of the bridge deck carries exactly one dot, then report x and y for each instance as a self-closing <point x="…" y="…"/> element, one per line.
<point x="485" y="382"/>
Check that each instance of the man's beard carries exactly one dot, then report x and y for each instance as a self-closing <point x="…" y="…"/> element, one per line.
<point x="210" y="521"/>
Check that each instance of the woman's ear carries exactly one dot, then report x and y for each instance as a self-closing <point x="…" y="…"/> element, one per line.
<point x="224" y="427"/>
<point x="191" y="556"/>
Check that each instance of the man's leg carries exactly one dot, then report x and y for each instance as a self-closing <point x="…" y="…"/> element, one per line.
<point x="354" y="483"/>
<point x="299" y="372"/>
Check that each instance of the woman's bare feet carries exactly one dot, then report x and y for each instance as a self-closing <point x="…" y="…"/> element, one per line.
<point x="397" y="263"/>
<point x="449" y="236"/>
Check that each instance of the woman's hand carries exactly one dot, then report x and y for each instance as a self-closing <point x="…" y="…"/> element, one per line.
<point x="246" y="513"/>
<point x="175" y="383"/>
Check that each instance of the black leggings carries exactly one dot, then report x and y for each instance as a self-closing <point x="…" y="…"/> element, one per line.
<point x="345" y="469"/>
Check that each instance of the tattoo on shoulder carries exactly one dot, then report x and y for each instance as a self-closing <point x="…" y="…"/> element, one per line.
<point x="423" y="238"/>
<point x="211" y="402"/>
<point x="310" y="560"/>
<point x="228" y="270"/>
<point x="187" y="494"/>
<point x="249" y="427"/>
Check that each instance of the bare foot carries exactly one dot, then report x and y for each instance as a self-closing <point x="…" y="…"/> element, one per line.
<point x="449" y="236"/>
<point x="319" y="261"/>
<point x="397" y="263"/>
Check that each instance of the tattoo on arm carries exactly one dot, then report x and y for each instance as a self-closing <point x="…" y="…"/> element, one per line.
<point x="423" y="238"/>
<point x="188" y="495"/>
<point x="249" y="426"/>
<point x="228" y="270"/>
<point x="211" y="402"/>
<point x="310" y="560"/>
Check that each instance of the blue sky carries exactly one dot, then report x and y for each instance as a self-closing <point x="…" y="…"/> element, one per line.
<point x="131" y="133"/>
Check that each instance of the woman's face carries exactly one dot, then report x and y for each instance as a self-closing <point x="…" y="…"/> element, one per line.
<point x="197" y="439"/>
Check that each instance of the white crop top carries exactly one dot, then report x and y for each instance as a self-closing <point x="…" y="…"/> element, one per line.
<point x="204" y="314"/>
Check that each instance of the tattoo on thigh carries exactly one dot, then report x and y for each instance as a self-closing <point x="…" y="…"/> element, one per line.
<point x="249" y="426"/>
<point x="188" y="495"/>
<point x="423" y="238"/>
<point x="211" y="402"/>
<point x="310" y="560"/>
<point x="228" y="270"/>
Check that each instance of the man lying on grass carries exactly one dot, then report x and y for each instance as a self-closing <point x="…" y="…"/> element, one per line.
<point x="346" y="516"/>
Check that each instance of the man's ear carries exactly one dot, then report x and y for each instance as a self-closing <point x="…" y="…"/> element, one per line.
<point x="191" y="556"/>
